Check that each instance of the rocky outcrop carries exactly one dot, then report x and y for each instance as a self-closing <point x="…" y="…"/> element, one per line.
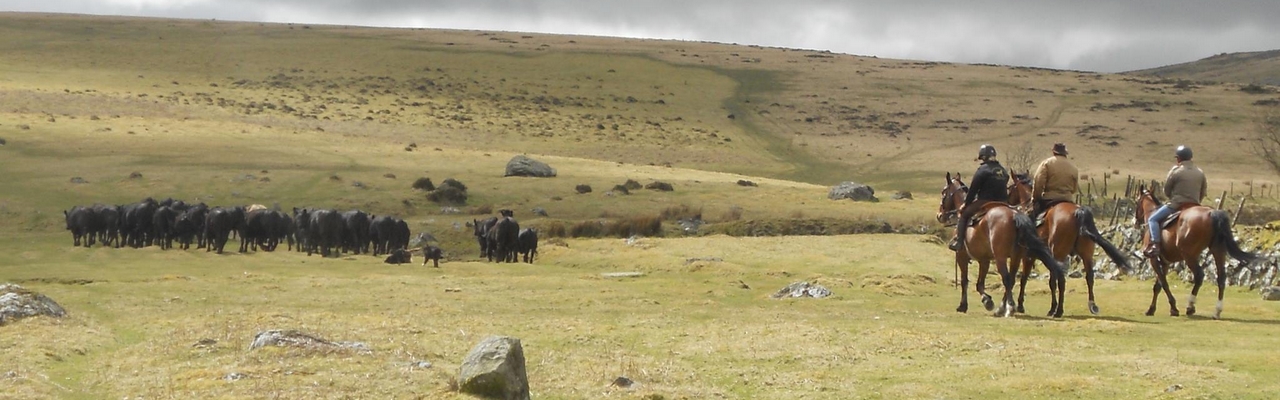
<point x="495" y="369"/>
<point x="297" y="339"/>
<point x="852" y="191"/>
<point x="802" y="289"/>
<point x="524" y="166"/>
<point x="17" y="303"/>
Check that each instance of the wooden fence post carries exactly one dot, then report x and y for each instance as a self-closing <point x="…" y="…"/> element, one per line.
<point x="1238" y="210"/>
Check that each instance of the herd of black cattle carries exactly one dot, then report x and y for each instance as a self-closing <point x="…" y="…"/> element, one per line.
<point x="328" y="232"/>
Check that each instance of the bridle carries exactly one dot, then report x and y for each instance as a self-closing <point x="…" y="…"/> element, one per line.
<point x="949" y="193"/>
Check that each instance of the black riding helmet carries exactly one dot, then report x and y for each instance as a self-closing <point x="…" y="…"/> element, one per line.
<point x="1183" y="153"/>
<point x="986" y="151"/>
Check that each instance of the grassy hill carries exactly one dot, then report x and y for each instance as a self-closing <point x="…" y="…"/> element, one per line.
<point x="1259" y="68"/>
<point x="297" y="115"/>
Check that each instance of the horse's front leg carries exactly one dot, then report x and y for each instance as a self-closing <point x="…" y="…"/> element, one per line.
<point x="1158" y="270"/>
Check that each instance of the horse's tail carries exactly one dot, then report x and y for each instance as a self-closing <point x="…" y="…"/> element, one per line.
<point x="1089" y="229"/>
<point x="1222" y="236"/>
<point x="1030" y="239"/>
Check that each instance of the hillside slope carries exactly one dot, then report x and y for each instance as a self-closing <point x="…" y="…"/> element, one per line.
<point x="1259" y="67"/>
<point x="782" y="113"/>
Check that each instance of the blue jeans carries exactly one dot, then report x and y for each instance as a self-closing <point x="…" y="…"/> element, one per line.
<point x="1153" y="222"/>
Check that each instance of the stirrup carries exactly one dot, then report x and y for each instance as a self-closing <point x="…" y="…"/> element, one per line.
<point x="955" y="244"/>
<point x="1153" y="251"/>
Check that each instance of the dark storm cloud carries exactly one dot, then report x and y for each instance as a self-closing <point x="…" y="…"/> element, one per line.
<point x="1103" y="36"/>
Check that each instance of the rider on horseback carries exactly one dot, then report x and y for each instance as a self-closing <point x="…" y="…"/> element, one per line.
<point x="1055" y="181"/>
<point x="1184" y="185"/>
<point x="989" y="184"/>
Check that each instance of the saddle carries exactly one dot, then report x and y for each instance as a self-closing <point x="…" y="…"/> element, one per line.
<point x="1173" y="218"/>
<point x="1039" y="217"/>
<point x="977" y="217"/>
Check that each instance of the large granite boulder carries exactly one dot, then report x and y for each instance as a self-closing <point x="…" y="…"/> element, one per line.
<point x="525" y="166"/>
<point x="495" y="369"/>
<point x="853" y="191"/>
<point x="17" y="303"/>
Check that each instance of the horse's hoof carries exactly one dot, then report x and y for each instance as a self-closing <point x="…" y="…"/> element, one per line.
<point x="1173" y="312"/>
<point x="1217" y="315"/>
<point x="964" y="308"/>
<point x="1093" y="309"/>
<point x="1058" y="314"/>
<point x="1190" y="311"/>
<point x="1151" y="312"/>
<point x="1021" y="310"/>
<point x="987" y="303"/>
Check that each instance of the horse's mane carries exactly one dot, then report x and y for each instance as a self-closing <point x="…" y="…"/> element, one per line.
<point x="1024" y="178"/>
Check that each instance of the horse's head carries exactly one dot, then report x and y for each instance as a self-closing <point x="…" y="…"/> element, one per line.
<point x="952" y="199"/>
<point x="1145" y="205"/>
<point x="1020" y="189"/>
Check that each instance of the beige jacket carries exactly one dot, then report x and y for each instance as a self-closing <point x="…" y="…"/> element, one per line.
<point x="1185" y="184"/>
<point x="1055" y="179"/>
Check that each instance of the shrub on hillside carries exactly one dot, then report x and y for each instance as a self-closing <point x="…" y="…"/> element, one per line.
<point x="631" y="184"/>
<point x="482" y="210"/>
<point x="583" y="189"/>
<point x="424" y="183"/>
<point x="627" y="227"/>
<point x="621" y="189"/>
<point x="660" y="186"/>
<point x="448" y="195"/>
<point x="588" y="229"/>
<point x="681" y="211"/>
<point x="454" y="183"/>
<point x="556" y="229"/>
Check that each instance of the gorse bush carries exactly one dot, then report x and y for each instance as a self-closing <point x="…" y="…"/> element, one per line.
<point x="424" y="183"/>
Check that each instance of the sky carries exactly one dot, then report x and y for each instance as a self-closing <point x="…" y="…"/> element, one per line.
<point x="1090" y="35"/>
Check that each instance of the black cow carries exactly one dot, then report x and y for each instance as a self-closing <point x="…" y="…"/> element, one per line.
<point x="504" y="240"/>
<point x="301" y="228"/>
<point x="80" y="221"/>
<point x="382" y="234"/>
<point x="108" y="224"/>
<point x="282" y="230"/>
<point x="400" y="256"/>
<point x="254" y="233"/>
<point x="219" y="224"/>
<point x="189" y="226"/>
<point x="528" y="244"/>
<point x="482" y="233"/>
<point x="355" y="233"/>
<point x="135" y="227"/>
<point x="400" y="239"/>
<point x="162" y="223"/>
<point x="432" y="253"/>
<point x="325" y="232"/>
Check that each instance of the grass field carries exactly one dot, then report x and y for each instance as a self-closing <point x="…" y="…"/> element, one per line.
<point x="296" y="115"/>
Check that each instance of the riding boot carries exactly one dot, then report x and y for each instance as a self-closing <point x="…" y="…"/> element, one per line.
<point x="1153" y="249"/>
<point x="957" y="242"/>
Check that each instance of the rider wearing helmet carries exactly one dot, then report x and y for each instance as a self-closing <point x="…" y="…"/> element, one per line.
<point x="989" y="184"/>
<point x="1055" y="181"/>
<point x="1185" y="184"/>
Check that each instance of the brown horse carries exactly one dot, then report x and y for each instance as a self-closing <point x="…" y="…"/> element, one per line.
<point x="1020" y="192"/>
<point x="1003" y="235"/>
<point x="1069" y="230"/>
<point x="1197" y="228"/>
